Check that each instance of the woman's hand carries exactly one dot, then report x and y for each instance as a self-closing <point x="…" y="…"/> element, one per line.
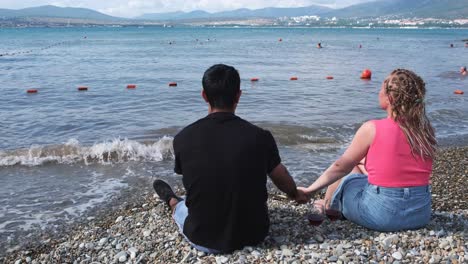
<point x="303" y="195"/>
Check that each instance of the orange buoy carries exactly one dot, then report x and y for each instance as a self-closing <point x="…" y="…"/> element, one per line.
<point x="458" y="92"/>
<point x="31" y="91"/>
<point x="330" y="77"/>
<point x="131" y="86"/>
<point x="254" y="80"/>
<point x="294" y="78"/>
<point x="366" y="74"/>
<point x="172" y="84"/>
<point x="82" y="88"/>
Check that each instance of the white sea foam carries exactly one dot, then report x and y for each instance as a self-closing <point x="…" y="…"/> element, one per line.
<point x="109" y="152"/>
<point x="97" y="192"/>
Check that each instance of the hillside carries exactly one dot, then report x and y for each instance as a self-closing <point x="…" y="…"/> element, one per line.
<point x="405" y="8"/>
<point x="443" y="9"/>
<point x="56" y="12"/>
<point x="270" y="12"/>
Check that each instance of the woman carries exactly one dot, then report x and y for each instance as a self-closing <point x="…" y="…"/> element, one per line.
<point x="397" y="153"/>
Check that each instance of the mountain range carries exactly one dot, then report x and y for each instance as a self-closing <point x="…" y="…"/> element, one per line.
<point x="49" y="11"/>
<point x="270" y="12"/>
<point x="406" y="8"/>
<point x="402" y="8"/>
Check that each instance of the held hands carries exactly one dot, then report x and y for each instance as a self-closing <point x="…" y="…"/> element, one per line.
<point x="302" y="196"/>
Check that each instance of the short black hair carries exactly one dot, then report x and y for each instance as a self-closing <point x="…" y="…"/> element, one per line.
<point x="221" y="84"/>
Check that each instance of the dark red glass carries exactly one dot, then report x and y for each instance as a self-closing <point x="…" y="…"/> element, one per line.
<point x="333" y="215"/>
<point x="315" y="220"/>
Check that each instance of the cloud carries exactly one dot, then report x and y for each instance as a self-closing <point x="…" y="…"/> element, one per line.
<point x="130" y="8"/>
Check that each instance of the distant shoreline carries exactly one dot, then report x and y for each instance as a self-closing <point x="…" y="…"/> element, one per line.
<point x="157" y="25"/>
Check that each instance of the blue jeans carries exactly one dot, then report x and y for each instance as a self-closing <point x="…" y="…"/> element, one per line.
<point x="180" y="213"/>
<point x="380" y="208"/>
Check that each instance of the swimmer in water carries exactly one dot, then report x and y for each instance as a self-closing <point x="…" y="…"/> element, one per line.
<point x="463" y="71"/>
<point x="319" y="45"/>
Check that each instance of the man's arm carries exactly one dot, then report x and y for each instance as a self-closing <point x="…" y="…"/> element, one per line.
<point x="281" y="178"/>
<point x="278" y="172"/>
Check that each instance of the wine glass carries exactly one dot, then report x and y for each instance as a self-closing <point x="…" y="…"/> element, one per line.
<point x="316" y="215"/>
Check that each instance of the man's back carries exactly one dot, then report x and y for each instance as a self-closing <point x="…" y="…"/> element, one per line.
<point x="224" y="161"/>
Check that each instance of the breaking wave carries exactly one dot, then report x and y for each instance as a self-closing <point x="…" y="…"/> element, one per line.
<point x="113" y="151"/>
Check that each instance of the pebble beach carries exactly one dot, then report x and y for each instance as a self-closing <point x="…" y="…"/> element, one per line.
<point x="140" y="230"/>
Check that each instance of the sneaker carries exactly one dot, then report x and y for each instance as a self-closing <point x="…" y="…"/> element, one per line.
<point x="164" y="191"/>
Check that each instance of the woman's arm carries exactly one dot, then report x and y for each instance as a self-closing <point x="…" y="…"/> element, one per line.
<point x="362" y="166"/>
<point x="345" y="164"/>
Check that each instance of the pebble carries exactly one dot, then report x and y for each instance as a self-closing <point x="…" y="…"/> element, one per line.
<point x="103" y="241"/>
<point x="319" y="238"/>
<point x="347" y="245"/>
<point x="440" y="233"/>
<point x="397" y="255"/>
<point x="119" y="219"/>
<point x="222" y="260"/>
<point x="121" y="256"/>
<point x="287" y="252"/>
<point x="89" y="246"/>
<point x="186" y="257"/>
<point x="279" y="239"/>
<point x="146" y="233"/>
<point x="133" y="252"/>
<point x="389" y="240"/>
<point x="324" y="246"/>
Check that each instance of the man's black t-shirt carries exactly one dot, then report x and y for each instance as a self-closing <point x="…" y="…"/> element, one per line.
<point x="224" y="161"/>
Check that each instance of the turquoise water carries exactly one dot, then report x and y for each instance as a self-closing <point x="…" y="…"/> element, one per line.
<point x="63" y="151"/>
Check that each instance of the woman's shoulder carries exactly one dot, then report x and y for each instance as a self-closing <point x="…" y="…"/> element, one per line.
<point x="384" y="122"/>
<point x="367" y="129"/>
<point x="370" y="124"/>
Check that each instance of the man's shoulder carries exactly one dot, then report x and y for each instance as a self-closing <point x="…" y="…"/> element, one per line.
<point x="240" y="123"/>
<point x="186" y="130"/>
<point x="248" y="127"/>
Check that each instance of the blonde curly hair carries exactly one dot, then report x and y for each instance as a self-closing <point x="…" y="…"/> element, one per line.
<point x="406" y="92"/>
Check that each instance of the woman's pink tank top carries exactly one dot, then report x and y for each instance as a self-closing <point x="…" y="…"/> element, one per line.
<point x="389" y="160"/>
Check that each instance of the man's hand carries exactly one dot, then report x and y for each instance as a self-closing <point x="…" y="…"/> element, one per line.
<point x="301" y="196"/>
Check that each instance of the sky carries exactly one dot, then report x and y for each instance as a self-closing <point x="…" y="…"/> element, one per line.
<point x="132" y="8"/>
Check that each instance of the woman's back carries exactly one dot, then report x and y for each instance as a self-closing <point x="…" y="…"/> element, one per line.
<point x="390" y="162"/>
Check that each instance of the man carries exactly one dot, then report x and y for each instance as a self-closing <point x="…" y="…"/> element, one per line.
<point x="224" y="161"/>
<point x="463" y="70"/>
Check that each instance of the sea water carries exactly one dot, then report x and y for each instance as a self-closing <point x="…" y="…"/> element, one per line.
<point x="64" y="152"/>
